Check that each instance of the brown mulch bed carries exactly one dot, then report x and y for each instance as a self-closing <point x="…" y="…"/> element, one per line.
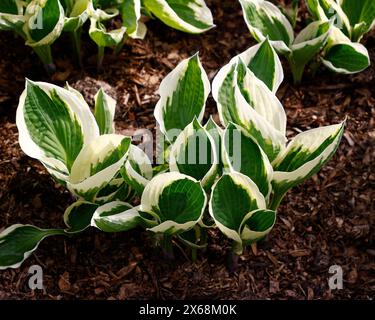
<point x="329" y="220"/>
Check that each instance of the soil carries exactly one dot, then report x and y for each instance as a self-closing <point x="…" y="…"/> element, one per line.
<point x="329" y="220"/>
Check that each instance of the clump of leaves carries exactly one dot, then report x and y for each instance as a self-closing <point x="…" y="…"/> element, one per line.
<point x="332" y="38"/>
<point x="41" y="22"/>
<point x="232" y="176"/>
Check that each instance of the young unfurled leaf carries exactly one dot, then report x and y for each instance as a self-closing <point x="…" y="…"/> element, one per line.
<point x="309" y="42"/>
<point x="104" y="38"/>
<point x="77" y="216"/>
<point x="97" y="164"/>
<point x="53" y="125"/>
<point x="194" y="153"/>
<point x="242" y="154"/>
<point x="44" y="22"/>
<point x="105" y="107"/>
<point x="192" y="16"/>
<point x="77" y="16"/>
<point x="183" y="95"/>
<point x="176" y="202"/>
<point x="264" y="20"/>
<point x="115" y="216"/>
<point x="305" y="155"/>
<point x="131" y="13"/>
<point x="261" y="59"/>
<point x="11" y="15"/>
<point x="19" y="241"/>
<point x="137" y="171"/>
<point x="271" y="140"/>
<point x="233" y="198"/>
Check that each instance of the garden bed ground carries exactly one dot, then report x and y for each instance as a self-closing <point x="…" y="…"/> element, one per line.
<point x="328" y="220"/>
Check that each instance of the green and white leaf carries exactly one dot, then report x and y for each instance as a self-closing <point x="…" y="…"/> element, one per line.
<point x="77" y="216"/>
<point x="194" y="153"/>
<point x="344" y="56"/>
<point x="261" y="98"/>
<point x="53" y="125"/>
<point x="305" y="155"/>
<point x="177" y="202"/>
<point x="271" y="140"/>
<point x="116" y="216"/>
<point x="19" y="241"/>
<point x="137" y="171"/>
<point x="97" y="164"/>
<point x="105" y="107"/>
<point x="192" y="16"/>
<point x="309" y="42"/>
<point x="44" y="22"/>
<point x="361" y="14"/>
<point x="233" y="197"/>
<point x="77" y="17"/>
<point x="11" y="15"/>
<point x="131" y="14"/>
<point x="256" y="225"/>
<point x="104" y="38"/>
<point x="242" y="154"/>
<point x="183" y="94"/>
<point x="117" y="189"/>
<point x="264" y="20"/>
<point x="261" y="59"/>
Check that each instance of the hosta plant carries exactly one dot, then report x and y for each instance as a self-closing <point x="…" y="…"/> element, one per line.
<point x="353" y="18"/>
<point x="41" y="22"/>
<point x="327" y="39"/>
<point x="231" y="176"/>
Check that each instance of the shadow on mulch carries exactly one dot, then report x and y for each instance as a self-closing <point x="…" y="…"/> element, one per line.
<point x="329" y="220"/>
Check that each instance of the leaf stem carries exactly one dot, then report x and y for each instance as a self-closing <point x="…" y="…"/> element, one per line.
<point x="76" y="44"/>
<point x="45" y="55"/>
<point x="100" y="58"/>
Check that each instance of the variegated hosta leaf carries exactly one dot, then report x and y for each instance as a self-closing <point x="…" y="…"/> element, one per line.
<point x="77" y="17"/>
<point x="194" y="153"/>
<point x="183" y="94"/>
<point x="99" y="14"/>
<point x="54" y="124"/>
<point x="260" y="97"/>
<point x="97" y="164"/>
<point x="192" y="16"/>
<point x="305" y="155"/>
<point x="44" y="22"/>
<point x="264" y="20"/>
<point x="104" y="38"/>
<point x="11" y="22"/>
<point x="19" y="241"/>
<point x="117" y="189"/>
<point x="115" y="216"/>
<point x="105" y="107"/>
<point x="11" y="15"/>
<point x="241" y="153"/>
<point x="233" y="197"/>
<point x="309" y="42"/>
<point x="137" y="171"/>
<point x="77" y="217"/>
<point x="176" y="202"/>
<point x="11" y="7"/>
<point x="261" y="59"/>
<point x="344" y="56"/>
<point x="271" y="140"/>
<point x="325" y="10"/>
<point x="256" y="225"/>
<point x="361" y="14"/>
<point x="131" y="13"/>
<point x="216" y="133"/>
